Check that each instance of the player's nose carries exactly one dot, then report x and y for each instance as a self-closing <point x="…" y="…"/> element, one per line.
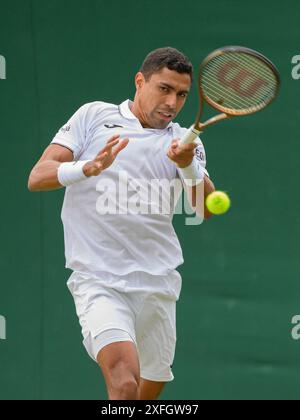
<point x="171" y="102"/>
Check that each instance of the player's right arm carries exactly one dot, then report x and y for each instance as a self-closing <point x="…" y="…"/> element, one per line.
<point x="44" y="175"/>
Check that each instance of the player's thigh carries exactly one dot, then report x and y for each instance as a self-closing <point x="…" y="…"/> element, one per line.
<point x="156" y="338"/>
<point x="119" y="363"/>
<point x="105" y="316"/>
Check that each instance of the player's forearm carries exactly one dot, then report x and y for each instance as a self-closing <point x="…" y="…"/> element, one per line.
<point x="208" y="188"/>
<point x="197" y="196"/>
<point x="43" y="176"/>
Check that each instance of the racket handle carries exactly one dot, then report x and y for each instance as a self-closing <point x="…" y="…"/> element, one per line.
<point x="190" y="135"/>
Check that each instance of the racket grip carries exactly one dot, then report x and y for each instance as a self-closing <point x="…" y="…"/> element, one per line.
<point x="190" y="136"/>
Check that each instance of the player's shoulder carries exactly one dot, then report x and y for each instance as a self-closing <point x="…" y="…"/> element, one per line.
<point x="92" y="112"/>
<point x="179" y="132"/>
<point x="96" y="107"/>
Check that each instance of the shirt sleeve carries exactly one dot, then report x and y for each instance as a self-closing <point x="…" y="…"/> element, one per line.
<point x="73" y="134"/>
<point x="200" y="156"/>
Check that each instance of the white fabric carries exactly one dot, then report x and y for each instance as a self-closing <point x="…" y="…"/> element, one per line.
<point x="193" y="174"/>
<point x="119" y="244"/>
<point x="122" y="309"/>
<point x="69" y="173"/>
<point x="94" y="345"/>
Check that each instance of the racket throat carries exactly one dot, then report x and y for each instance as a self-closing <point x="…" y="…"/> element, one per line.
<point x="220" y="117"/>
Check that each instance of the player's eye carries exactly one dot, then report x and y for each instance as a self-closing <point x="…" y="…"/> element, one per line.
<point x="164" y="89"/>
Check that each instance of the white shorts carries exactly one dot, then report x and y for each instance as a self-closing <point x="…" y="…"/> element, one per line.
<point x="145" y="316"/>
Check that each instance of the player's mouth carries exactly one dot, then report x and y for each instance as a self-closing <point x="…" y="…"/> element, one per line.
<point x="166" y="115"/>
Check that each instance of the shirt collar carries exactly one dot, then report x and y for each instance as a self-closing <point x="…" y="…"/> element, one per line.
<point x="126" y="113"/>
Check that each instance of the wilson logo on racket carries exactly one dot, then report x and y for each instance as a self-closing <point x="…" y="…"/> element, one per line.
<point x="240" y="80"/>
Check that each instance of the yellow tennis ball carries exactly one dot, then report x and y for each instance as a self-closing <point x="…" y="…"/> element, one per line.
<point x="218" y="202"/>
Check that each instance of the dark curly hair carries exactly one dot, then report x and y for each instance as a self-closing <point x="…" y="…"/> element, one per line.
<point x="166" y="57"/>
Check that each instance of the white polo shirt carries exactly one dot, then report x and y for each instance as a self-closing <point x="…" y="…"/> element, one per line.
<point x="118" y="243"/>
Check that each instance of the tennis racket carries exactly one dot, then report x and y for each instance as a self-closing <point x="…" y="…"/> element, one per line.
<point x="235" y="81"/>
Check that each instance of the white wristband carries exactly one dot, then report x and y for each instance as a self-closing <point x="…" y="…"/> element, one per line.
<point x="69" y="173"/>
<point x="192" y="174"/>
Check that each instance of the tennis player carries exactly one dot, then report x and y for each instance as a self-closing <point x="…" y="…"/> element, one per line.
<point x="124" y="279"/>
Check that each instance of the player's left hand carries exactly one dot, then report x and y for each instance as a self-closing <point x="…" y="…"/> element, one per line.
<point x="182" y="155"/>
<point x="105" y="157"/>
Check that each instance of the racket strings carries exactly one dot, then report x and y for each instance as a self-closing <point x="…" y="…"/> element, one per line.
<point x="254" y="68"/>
<point x="236" y="89"/>
<point x="251" y="62"/>
<point x="238" y="81"/>
<point x="268" y="77"/>
<point x="250" y="65"/>
<point x="215" y="92"/>
<point x="212" y="81"/>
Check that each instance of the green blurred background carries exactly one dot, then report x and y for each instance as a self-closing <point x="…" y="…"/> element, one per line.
<point x="241" y="274"/>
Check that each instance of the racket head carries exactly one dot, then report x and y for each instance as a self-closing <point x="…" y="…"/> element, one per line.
<point x="237" y="81"/>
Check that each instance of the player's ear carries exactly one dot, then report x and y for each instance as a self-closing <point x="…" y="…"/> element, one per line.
<point x="139" y="80"/>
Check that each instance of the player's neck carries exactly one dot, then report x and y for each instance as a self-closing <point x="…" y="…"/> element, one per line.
<point x="134" y="108"/>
